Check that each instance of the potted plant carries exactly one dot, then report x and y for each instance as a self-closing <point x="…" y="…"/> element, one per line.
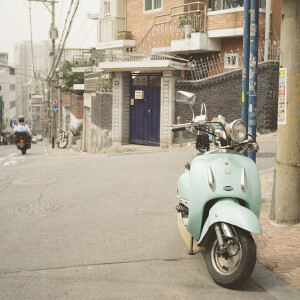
<point x="186" y="22"/>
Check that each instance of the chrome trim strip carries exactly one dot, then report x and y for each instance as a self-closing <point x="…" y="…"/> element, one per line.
<point x="211" y="179"/>
<point x="244" y="180"/>
<point x="183" y="201"/>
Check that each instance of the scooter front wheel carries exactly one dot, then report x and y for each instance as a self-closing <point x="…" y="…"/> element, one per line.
<point x="236" y="264"/>
<point x="62" y="143"/>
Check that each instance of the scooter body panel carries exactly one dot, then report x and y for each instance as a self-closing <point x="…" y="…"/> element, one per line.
<point x="183" y="185"/>
<point x="227" y="172"/>
<point x="230" y="211"/>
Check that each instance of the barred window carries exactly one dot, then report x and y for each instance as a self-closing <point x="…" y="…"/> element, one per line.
<point x="231" y="61"/>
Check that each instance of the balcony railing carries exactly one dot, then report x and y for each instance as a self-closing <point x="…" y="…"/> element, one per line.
<point x="131" y="55"/>
<point x="215" y="64"/>
<point x="168" y="27"/>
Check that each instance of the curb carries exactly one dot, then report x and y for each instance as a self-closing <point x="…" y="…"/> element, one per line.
<point x="274" y="285"/>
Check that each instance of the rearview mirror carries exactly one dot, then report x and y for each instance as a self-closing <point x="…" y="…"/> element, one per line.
<point x="185" y="97"/>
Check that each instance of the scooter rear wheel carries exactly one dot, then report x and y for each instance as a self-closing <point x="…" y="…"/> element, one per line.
<point x="239" y="264"/>
<point x="23" y="151"/>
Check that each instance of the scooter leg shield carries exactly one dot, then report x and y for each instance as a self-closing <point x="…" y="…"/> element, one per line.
<point x="229" y="211"/>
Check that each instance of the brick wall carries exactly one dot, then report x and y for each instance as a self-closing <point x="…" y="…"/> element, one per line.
<point x="139" y="22"/>
<point x="101" y="110"/>
<point x="77" y="106"/>
<point x="222" y="95"/>
<point x="225" y="20"/>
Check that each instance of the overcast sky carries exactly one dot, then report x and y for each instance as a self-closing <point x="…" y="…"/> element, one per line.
<point x="15" y="25"/>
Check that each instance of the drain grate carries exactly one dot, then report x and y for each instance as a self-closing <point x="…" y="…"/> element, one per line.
<point x="265" y="154"/>
<point x="35" y="208"/>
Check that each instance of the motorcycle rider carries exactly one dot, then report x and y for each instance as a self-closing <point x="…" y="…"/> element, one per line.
<point x="22" y="127"/>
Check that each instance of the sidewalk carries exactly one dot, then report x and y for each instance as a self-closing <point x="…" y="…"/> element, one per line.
<point x="278" y="249"/>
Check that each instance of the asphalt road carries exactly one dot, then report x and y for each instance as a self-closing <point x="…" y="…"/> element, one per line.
<point x="101" y="227"/>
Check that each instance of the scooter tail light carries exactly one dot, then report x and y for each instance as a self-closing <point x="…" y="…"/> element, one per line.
<point x="211" y="179"/>
<point x="22" y="141"/>
<point x="244" y="180"/>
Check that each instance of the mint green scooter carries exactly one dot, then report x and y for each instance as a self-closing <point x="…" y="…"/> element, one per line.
<point x="219" y="196"/>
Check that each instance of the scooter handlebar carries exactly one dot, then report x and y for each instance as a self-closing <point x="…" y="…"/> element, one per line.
<point x="180" y="127"/>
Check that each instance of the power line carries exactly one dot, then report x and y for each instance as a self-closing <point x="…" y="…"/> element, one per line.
<point x="64" y="42"/>
<point x="31" y="42"/>
<point x="88" y="33"/>
<point x="65" y="24"/>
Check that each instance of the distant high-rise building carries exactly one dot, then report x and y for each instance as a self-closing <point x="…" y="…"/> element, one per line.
<point x="8" y="114"/>
<point x="32" y="68"/>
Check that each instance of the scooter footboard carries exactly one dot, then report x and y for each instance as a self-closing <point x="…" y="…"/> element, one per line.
<point x="229" y="211"/>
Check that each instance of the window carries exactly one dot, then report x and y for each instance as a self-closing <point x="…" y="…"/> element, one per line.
<point x="12" y="87"/>
<point x="107" y="7"/>
<point x="11" y="71"/>
<point x="226" y="4"/>
<point x="152" y="5"/>
<point x="231" y="61"/>
<point x="12" y="104"/>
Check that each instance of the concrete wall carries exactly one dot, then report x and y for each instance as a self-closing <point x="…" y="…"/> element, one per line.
<point x="121" y="108"/>
<point x="167" y="106"/>
<point x="74" y="122"/>
<point x="98" y="123"/>
<point x="222" y="95"/>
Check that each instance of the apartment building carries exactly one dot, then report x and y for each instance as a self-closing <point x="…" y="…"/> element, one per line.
<point x="32" y="68"/>
<point x="8" y="115"/>
<point x="148" y="47"/>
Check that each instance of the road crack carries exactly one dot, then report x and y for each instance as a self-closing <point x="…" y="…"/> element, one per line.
<point x="98" y="264"/>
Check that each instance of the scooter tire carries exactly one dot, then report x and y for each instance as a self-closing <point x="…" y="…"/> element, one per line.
<point x="23" y="151"/>
<point x="246" y="262"/>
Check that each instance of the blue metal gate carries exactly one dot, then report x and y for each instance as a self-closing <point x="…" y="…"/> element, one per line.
<point x="145" y="109"/>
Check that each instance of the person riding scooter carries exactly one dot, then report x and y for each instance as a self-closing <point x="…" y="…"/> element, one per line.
<point x="22" y="127"/>
<point x="22" y="134"/>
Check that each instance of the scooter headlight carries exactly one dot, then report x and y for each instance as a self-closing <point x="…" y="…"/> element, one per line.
<point x="237" y="131"/>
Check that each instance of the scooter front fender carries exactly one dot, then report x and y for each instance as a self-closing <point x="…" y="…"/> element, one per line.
<point x="229" y="211"/>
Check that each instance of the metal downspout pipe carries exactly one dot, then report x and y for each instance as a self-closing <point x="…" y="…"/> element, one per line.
<point x="267" y="30"/>
<point x="245" y="70"/>
<point x="253" y="67"/>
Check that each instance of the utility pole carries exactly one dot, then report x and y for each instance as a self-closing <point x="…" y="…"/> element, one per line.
<point x="286" y="189"/>
<point x="53" y="36"/>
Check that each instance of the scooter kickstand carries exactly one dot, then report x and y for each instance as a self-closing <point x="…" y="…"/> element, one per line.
<point x="191" y="252"/>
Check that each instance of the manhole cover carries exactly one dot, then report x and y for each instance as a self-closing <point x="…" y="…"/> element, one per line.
<point x="35" y="208"/>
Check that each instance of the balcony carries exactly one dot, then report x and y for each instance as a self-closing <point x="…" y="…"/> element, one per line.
<point x="167" y="32"/>
<point x="112" y="34"/>
<point x="229" y="22"/>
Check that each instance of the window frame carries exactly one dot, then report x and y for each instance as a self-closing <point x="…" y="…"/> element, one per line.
<point x="152" y="10"/>
<point x="230" y="65"/>
<point x="106" y="5"/>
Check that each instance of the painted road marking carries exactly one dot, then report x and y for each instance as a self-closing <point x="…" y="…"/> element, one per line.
<point x="46" y="150"/>
<point x="10" y="163"/>
<point x="186" y="235"/>
<point x="11" y="159"/>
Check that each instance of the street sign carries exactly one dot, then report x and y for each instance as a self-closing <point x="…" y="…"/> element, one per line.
<point x="55" y="109"/>
<point x="54" y="101"/>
